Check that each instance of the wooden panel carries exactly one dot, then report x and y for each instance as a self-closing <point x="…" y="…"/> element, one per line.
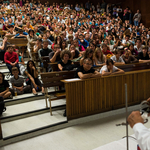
<point x="91" y="96"/>
<point x="1" y="137"/>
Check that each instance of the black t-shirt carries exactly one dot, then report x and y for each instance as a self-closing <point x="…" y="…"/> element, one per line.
<point x="81" y="69"/>
<point x="57" y="58"/>
<point x="140" y="56"/>
<point x="3" y="86"/>
<point x="64" y="65"/>
<point x="45" y="52"/>
<point x="76" y="54"/>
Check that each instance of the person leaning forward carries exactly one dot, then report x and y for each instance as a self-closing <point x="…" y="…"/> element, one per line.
<point x="86" y="71"/>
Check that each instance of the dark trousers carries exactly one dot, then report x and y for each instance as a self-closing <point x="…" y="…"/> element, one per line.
<point x="26" y="89"/>
<point x="9" y="66"/>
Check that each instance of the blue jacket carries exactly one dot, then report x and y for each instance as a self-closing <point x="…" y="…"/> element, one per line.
<point x="85" y="43"/>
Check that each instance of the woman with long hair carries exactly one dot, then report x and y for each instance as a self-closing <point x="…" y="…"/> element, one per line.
<point x="58" y="41"/>
<point x="88" y="54"/>
<point x="32" y="79"/>
<point x="99" y="57"/>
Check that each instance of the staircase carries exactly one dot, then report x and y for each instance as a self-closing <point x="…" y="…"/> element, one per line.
<point x="27" y="116"/>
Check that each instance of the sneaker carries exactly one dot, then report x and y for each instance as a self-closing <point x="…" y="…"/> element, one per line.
<point x="10" y="96"/>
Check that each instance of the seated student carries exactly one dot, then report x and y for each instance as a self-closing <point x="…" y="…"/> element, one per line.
<point x="99" y="57"/>
<point x="86" y="71"/>
<point x="54" y="56"/>
<point x="44" y="51"/>
<point x="78" y="47"/>
<point x="117" y="59"/>
<point x="38" y="45"/>
<point x="65" y="63"/>
<point x="133" y="51"/>
<point x="33" y="80"/>
<point x="18" y="83"/>
<point x="4" y="87"/>
<point x="20" y="34"/>
<point x="74" y="53"/>
<point x="128" y="58"/>
<point x="11" y="31"/>
<point x="143" y="56"/>
<point x="31" y="37"/>
<point x="11" y="58"/>
<point x="88" y="54"/>
<point x="110" y="69"/>
<point x="127" y="41"/>
<point x="83" y="42"/>
<point x="105" y="50"/>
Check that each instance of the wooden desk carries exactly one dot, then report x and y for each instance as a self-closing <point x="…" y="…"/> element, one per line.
<point x="91" y="96"/>
<point x="18" y="41"/>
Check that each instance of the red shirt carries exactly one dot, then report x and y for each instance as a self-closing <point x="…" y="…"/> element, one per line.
<point x="11" y="57"/>
<point x="107" y="52"/>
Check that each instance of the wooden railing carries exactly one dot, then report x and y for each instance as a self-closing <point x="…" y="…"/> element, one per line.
<point x="91" y="96"/>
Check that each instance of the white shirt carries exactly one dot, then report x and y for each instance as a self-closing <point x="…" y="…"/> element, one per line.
<point x="61" y="21"/>
<point x="126" y="42"/>
<point x="104" y="68"/>
<point x="142" y="135"/>
<point x="138" y="49"/>
<point x="115" y="59"/>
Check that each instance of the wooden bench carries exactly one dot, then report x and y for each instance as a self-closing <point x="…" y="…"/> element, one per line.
<point x="45" y="60"/>
<point x="53" y="79"/>
<point x="54" y="66"/>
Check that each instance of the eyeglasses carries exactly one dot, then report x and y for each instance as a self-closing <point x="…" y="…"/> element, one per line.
<point x="88" y="64"/>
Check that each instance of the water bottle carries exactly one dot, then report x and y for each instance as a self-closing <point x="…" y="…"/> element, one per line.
<point x="15" y="91"/>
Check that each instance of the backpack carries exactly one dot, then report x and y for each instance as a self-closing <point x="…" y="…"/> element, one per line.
<point x="2" y="105"/>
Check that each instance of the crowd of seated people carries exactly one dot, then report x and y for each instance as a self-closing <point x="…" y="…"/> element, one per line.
<point x="103" y="35"/>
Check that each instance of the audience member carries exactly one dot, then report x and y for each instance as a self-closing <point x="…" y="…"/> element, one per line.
<point x="32" y="79"/>
<point x="11" y="58"/>
<point x="110" y="69"/>
<point x="17" y="82"/>
<point x="4" y="87"/>
<point x="86" y="71"/>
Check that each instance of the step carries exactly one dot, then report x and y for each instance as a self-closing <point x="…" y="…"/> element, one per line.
<point x="23" y="99"/>
<point x="28" y="109"/>
<point x="31" y="123"/>
<point x="26" y="98"/>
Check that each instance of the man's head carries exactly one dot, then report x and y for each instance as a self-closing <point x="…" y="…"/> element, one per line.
<point x="144" y="49"/>
<point x="138" y="42"/>
<point x="109" y="64"/>
<point x="56" y="47"/>
<point x="45" y="44"/>
<point x="10" y="48"/>
<point x="127" y="37"/>
<point x="87" y="64"/>
<point x="117" y="53"/>
<point x="15" y="71"/>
